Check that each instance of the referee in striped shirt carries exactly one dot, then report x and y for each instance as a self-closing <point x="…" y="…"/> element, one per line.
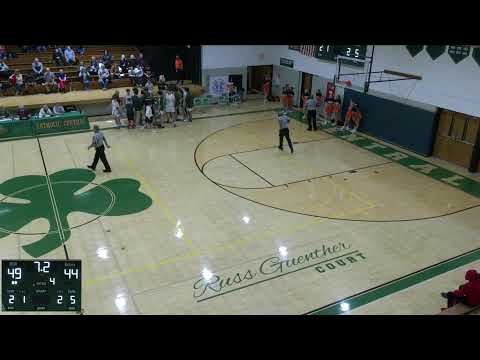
<point x="97" y="143"/>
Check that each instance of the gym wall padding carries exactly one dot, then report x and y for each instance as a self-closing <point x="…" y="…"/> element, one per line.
<point x="404" y="125"/>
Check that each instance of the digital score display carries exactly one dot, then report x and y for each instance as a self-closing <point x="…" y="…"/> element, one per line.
<point x="326" y="52"/>
<point x="41" y="285"/>
<point x="354" y="52"/>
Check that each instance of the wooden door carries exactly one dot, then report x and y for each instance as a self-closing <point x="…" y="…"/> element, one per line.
<point x="456" y="136"/>
<point x="306" y="86"/>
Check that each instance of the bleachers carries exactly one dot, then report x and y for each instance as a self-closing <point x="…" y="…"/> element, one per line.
<point x="23" y="63"/>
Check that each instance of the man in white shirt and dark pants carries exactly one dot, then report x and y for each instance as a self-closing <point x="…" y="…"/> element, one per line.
<point x="97" y="142"/>
<point x="283" y="121"/>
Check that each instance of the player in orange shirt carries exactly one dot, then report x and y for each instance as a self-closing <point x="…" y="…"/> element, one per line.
<point x="329" y="108"/>
<point x="337" y="108"/>
<point x="353" y="114"/>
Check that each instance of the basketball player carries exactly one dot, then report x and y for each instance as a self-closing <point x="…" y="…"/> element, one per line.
<point x="337" y="108"/>
<point x="116" y="113"/>
<point x="328" y="108"/>
<point x="353" y="114"/>
<point x="170" y="107"/>
<point x="311" y="106"/>
<point x="283" y="121"/>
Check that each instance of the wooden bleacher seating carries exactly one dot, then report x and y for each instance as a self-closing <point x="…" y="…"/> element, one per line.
<point x="23" y="63"/>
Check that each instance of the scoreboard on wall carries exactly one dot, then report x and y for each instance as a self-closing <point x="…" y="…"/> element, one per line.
<point x="330" y="52"/>
<point x="41" y="285"/>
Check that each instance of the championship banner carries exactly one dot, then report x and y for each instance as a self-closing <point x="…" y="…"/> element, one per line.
<point x="218" y="85"/>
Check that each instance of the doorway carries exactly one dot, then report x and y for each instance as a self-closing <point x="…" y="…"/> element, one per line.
<point x="306" y="86"/>
<point x="256" y="78"/>
<point x="237" y="81"/>
<point x="456" y="137"/>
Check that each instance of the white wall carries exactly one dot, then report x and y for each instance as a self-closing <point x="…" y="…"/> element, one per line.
<point x="206" y="73"/>
<point x="218" y="60"/>
<point x="286" y="76"/>
<point x="444" y="84"/>
<point x="223" y="56"/>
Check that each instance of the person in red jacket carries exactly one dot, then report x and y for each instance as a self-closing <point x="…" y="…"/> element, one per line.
<point x="179" y="69"/>
<point x="468" y="294"/>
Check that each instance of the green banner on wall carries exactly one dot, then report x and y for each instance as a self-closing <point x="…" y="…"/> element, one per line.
<point x="435" y="51"/>
<point x="57" y="124"/>
<point x="72" y="121"/>
<point x="414" y="50"/>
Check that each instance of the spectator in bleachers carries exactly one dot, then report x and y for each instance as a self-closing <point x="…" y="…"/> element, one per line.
<point x="93" y="66"/>
<point x="5" y="72"/>
<point x="28" y="48"/>
<point x="133" y="61"/>
<point x="41" y="48"/>
<point x="149" y="87"/>
<point x="161" y="81"/>
<point x="80" y="50"/>
<point x="23" y="113"/>
<point x="37" y="68"/>
<point x="107" y="58"/>
<point x="3" y="52"/>
<point x="62" y="81"/>
<point x="45" y="111"/>
<point x="70" y="56"/>
<point x="115" y="72"/>
<point x="141" y="60"/>
<point x="123" y="64"/>
<point x="57" y="57"/>
<point x="468" y="294"/>
<point x="58" y="109"/>
<point x="138" y="75"/>
<point x="84" y="77"/>
<point x="49" y="78"/>
<point x="103" y="76"/>
<point x="16" y="79"/>
<point x="82" y="66"/>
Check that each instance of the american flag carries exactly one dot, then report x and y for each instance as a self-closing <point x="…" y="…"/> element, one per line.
<point x="308" y="50"/>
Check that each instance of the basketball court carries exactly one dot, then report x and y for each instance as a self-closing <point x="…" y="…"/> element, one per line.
<point x="212" y="218"/>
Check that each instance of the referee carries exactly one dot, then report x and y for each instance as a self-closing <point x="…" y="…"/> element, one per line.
<point x="284" y="131"/>
<point x="97" y="142"/>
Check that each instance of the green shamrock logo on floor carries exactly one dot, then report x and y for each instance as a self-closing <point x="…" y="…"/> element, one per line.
<point x="27" y="198"/>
